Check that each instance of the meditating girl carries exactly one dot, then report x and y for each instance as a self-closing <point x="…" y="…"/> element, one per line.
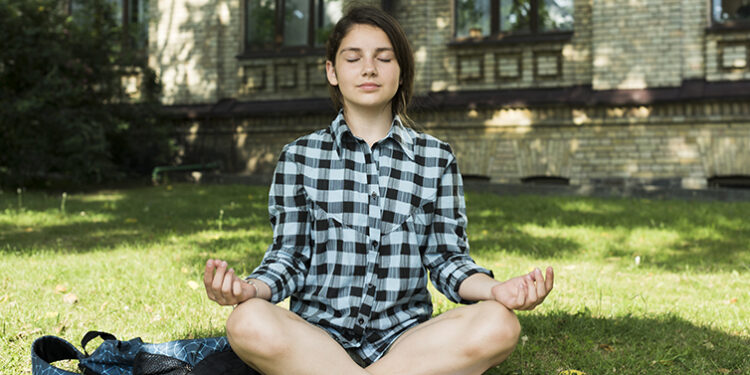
<point x="362" y="212"/>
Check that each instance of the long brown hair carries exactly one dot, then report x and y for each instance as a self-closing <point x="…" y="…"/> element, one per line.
<point x="368" y="15"/>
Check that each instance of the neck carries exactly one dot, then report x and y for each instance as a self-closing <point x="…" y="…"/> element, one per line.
<point x="371" y="125"/>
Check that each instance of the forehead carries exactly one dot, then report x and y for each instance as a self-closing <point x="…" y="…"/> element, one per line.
<point x="365" y="37"/>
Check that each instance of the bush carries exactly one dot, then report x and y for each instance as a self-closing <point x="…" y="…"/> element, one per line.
<point x="65" y="115"/>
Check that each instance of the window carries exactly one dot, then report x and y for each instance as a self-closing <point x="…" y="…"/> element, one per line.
<point x="276" y="24"/>
<point x="484" y="18"/>
<point x="731" y="12"/>
<point x="131" y="15"/>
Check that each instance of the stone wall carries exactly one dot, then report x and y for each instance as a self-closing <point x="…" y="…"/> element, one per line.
<point x="637" y="49"/>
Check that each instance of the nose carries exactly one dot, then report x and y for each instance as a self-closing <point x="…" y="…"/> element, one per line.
<point x="369" y="68"/>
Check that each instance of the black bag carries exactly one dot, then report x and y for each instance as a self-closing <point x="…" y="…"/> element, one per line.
<point x="114" y="357"/>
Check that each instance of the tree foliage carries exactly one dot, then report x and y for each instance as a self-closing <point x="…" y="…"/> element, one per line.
<point x="65" y="115"/>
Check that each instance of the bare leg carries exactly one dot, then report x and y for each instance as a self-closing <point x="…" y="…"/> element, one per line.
<point x="464" y="341"/>
<point x="276" y="341"/>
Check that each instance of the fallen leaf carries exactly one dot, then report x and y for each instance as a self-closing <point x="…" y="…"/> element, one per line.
<point x="29" y="229"/>
<point x="723" y="370"/>
<point x="606" y="348"/>
<point x="184" y="270"/>
<point x="70" y="298"/>
<point x="104" y="305"/>
<point x="169" y="187"/>
<point x="148" y="308"/>
<point x="60" y="288"/>
<point x="51" y="314"/>
<point x="131" y="220"/>
<point x="61" y="328"/>
<point x="4" y="298"/>
<point x="708" y="345"/>
<point x="571" y="372"/>
<point x="193" y="285"/>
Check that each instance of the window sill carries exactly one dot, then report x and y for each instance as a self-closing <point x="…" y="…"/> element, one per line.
<point x="283" y="52"/>
<point x="728" y="27"/>
<point x="511" y="39"/>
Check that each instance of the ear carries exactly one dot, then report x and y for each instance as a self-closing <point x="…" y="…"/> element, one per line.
<point x="331" y="73"/>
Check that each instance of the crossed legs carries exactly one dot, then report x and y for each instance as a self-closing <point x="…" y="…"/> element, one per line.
<point x="464" y="341"/>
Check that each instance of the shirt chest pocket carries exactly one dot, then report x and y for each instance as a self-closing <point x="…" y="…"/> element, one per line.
<point x="337" y="231"/>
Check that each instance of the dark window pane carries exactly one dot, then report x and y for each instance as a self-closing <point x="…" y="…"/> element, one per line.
<point x="472" y="18"/>
<point x="260" y="23"/>
<point x="555" y="15"/>
<point x="138" y="22"/>
<point x="296" y="22"/>
<point x="515" y="15"/>
<point x="731" y="10"/>
<point x="327" y="13"/>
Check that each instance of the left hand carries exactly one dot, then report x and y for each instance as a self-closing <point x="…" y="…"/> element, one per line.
<point x="524" y="292"/>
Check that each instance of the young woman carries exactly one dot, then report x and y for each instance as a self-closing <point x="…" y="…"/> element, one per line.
<point x="361" y="212"/>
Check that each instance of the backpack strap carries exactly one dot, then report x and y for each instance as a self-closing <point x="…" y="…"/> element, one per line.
<point x="48" y="349"/>
<point x="90" y="335"/>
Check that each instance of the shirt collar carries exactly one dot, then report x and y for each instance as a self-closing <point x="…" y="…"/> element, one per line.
<point x="398" y="132"/>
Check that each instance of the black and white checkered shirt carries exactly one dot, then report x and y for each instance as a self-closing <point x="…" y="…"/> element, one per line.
<point x="356" y="229"/>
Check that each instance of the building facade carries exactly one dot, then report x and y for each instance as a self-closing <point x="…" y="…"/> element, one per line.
<point x="636" y="92"/>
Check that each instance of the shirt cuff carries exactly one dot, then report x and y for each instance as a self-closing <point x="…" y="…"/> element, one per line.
<point x="273" y="281"/>
<point x="466" y="271"/>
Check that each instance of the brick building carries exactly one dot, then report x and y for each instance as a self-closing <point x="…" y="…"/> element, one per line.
<point x="636" y="92"/>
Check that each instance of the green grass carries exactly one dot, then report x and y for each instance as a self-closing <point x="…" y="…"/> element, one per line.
<point x="134" y="259"/>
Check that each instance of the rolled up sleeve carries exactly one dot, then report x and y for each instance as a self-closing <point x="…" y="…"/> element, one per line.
<point x="286" y="260"/>
<point x="447" y="253"/>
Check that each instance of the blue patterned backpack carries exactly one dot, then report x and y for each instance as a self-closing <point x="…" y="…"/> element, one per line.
<point x="114" y="357"/>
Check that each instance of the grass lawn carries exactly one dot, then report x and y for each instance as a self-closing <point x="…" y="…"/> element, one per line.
<point x="131" y="261"/>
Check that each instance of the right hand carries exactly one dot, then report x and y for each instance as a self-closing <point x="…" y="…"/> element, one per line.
<point x="223" y="286"/>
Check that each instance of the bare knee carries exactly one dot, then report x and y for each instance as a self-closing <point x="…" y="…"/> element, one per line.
<point x="497" y="331"/>
<point x="253" y="330"/>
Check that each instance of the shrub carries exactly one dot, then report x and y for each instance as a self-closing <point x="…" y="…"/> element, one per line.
<point x="65" y="115"/>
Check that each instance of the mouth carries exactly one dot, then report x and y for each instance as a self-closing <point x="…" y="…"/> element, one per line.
<point x="369" y="86"/>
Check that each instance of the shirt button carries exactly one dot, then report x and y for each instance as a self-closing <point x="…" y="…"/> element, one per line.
<point x="374" y="243"/>
<point x="361" y="321"/>
<point x="374" y="196"/>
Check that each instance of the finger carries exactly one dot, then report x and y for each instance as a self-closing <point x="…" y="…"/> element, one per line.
<point x="208" y="276"/>
<point x="226" y="286"/>
<point x="520" y="295"/>
<point x="531" y="297"/>
<point x="550" y="282"/>
<point x="541" y="287"/>
<point x="237" y="288"/>
<point x="219" y="278"/>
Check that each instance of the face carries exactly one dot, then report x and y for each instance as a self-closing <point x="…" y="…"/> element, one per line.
<point x="365" y="70"/>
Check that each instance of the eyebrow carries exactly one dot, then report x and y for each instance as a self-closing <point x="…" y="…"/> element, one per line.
<point x="359" y="50"/>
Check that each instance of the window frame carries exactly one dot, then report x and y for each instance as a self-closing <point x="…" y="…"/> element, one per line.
<point x="731" y="25"/>
<point x="133" y="43"/>
<point x="497" y="36"/>
<point x="277" y="48"/>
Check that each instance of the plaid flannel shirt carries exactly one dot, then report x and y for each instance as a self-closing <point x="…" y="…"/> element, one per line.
<point x="356" y="229"/>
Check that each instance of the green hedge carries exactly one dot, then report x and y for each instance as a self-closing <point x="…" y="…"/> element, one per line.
<point x="65" y="116"/>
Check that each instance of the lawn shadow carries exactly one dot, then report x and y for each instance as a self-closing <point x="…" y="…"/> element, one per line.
<point x="700" y="235"/>
<point x="139" y="217"/>
<point x="629" y="345"/>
